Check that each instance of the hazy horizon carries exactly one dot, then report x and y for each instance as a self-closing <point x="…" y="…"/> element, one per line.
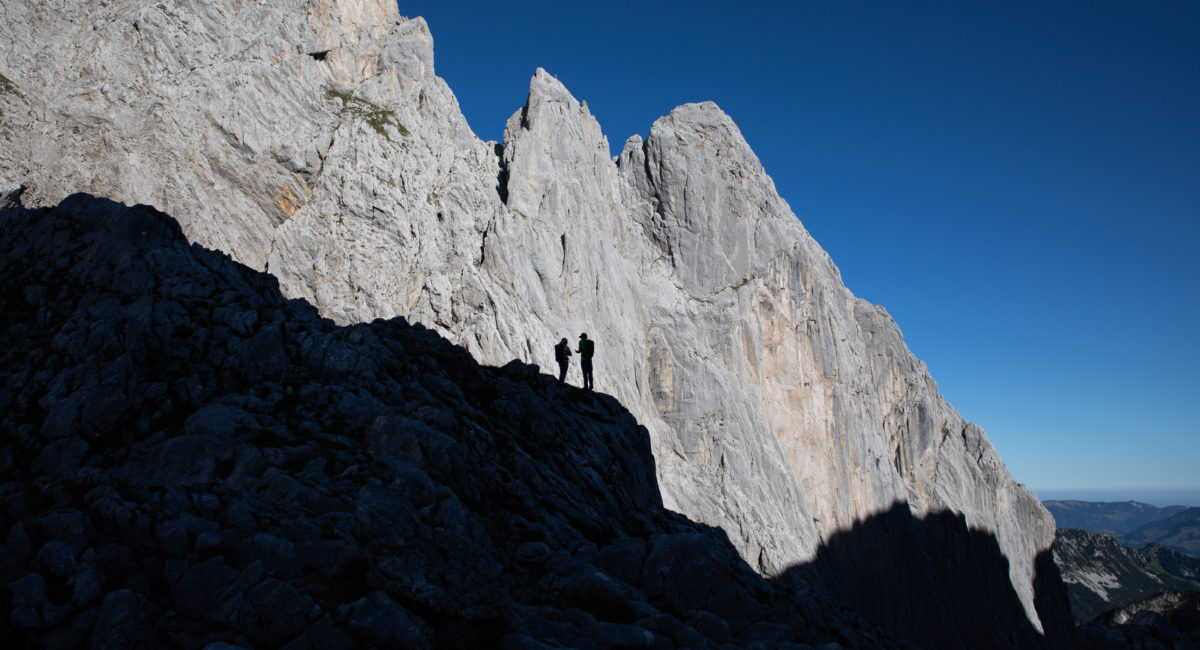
<point x="1160" y="497"/>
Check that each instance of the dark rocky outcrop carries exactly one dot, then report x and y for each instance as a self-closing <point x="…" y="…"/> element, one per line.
<point x="190" y="459"/>
<point x="1168" y="621"/>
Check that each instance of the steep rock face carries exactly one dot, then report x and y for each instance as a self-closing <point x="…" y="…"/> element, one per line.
<point x="859" y="418"/>
<point x="168" y="105"/>
<point x="567" y="202"/>
<point x="318" y="144"/>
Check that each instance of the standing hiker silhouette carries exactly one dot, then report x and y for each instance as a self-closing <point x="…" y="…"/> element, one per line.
<point x="587" y="348"/>
<point x="562" y="354"/>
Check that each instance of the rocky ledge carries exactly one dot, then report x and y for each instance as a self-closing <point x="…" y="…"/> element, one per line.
<point x="192" y="460"/>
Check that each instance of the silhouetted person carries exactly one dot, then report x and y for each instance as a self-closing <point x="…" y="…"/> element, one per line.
<point x="562" y="354"/>
<point x="587" y="348"/>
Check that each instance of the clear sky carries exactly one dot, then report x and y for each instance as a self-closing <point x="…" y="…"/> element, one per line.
<point x="1018" y="183"/>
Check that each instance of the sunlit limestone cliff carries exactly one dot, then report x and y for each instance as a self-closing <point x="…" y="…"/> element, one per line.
<point x="314" y="141"/>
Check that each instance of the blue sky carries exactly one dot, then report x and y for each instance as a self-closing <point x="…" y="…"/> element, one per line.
<point x="1018" y="183"/>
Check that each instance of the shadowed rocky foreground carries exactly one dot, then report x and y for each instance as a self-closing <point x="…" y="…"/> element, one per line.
<point x="191" y="459"/>
<point x="1167" y="621"/>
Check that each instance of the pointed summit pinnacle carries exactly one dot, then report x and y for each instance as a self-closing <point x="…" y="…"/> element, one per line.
<point x="546" y="86"/>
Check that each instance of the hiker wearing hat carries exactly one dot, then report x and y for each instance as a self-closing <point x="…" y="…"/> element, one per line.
<point x="562" y="354"/>
<point x="587" y="348"/>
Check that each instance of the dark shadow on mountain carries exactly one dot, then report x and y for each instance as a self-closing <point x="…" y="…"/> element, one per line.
<point x="189" y="458"/>
<point x="937" y="583"/>
<point x="1052" y="602"/>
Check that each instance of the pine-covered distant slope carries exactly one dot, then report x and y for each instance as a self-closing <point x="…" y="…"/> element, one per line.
<point x="1180" y="531"/>
<point x="1103" y="574"/>
<point x="1107" y="516"/>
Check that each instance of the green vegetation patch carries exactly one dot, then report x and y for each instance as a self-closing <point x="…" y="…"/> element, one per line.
<point x="376" y="117"/>
<point x="745" y="281"/>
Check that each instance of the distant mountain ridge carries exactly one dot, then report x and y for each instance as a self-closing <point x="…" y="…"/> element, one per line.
<point x="1180" y="531"/>
<point x="1107" y="516"/>
<point x="1133" y="523"/>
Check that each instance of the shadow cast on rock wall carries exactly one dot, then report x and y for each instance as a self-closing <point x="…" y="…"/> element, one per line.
<point x="937" y="583"/>
<point x="189" y="458"/>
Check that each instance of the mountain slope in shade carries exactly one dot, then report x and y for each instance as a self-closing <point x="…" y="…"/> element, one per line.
<point x="1102" y="574"/>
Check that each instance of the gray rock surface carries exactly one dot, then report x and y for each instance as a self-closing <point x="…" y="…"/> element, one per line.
<point x="315" y="141"/>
